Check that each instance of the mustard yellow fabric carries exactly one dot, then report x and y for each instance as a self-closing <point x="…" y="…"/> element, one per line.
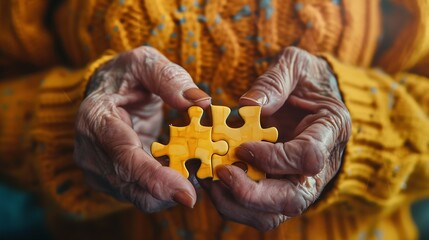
<point x="48" y="53"/>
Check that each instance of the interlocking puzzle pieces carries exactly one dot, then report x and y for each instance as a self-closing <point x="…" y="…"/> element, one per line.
<point x="195" y="141"/>
<point x="250" y="131"/>
<point x="192" y="141"/>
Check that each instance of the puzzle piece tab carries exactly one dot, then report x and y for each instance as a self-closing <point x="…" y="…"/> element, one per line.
<point x="250" y="131"/>
<point x="192" y="141"/>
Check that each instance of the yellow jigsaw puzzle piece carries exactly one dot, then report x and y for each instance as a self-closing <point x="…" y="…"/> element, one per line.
<point x="192" y="141"/>
<point x="250" y="131"/>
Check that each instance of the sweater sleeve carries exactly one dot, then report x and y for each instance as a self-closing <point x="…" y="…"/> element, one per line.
<point x="58" y="102"/>
<point x="37" y="135"/>
<point x="386" y="161"/>
<point x="406" y="36"/>
<point x="39" y="99"/>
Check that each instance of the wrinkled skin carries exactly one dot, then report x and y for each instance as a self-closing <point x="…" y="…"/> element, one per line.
<point x="121" y="117"/>
<point x="300" y="97"/>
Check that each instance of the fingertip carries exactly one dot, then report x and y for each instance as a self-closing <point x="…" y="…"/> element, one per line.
<point x="253" y="98"/>
<point x="224" y="174"/>
<point x="268" y="105"/>
<point x="244" y="153"/>
<point x="232" y="176"/>
<point x="184" y="198"/>
<point x="167" y="184"/>
<point x="197" y="97"/>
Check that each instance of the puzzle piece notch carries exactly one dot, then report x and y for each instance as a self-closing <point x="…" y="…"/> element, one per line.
<point x="250" y="131"/>
<point x="192" y="141"/>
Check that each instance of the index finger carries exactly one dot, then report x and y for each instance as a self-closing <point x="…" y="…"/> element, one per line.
<point x="133" y="165"/>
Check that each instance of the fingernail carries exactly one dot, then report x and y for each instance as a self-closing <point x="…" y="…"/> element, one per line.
<point x="184" y="198"/>
<point x="224" y="174"/>
<point x="255" y="97"/>
<point x="244" y="154"/>
<point x="196" y="95"/>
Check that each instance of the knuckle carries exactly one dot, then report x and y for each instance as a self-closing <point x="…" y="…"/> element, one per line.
<point x="278" y="159"/>
<point x="314" y="168"/>
<point x="245" y="195"/>
<point x="155" y="186"/>
<point x="122" y="165"/>
<point x="345" y="122"/>
<point x="82" y="117"/>
<point x="293" y="210"/>
<point x="296" y="202"/>
<point x="272" y="80"/>
<point x="170" y="72"/>
<point x="92" y="118"/>
<point x="314" y="155"/>
<point x="338" y="118"/>
<point x="170" y="78"/>
<point x="329" y="115"/>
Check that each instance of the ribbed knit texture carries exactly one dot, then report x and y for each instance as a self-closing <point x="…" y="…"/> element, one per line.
<point x="54" y="134"/>
<point x="17" y="103"/>
<point x="224" y="45"/>
<point x="390" y="138"/>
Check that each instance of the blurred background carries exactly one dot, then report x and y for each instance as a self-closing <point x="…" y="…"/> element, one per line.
<point x="20" y="215"/>
<point x="22" y="218"/>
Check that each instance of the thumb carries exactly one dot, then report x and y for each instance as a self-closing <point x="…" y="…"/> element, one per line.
<point x="271" y="90"/>
<point x="168" y="80"/>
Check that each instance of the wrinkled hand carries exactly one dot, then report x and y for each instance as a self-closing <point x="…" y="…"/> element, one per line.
<point x="300" y="97"/>
<point x="119" y="120"/>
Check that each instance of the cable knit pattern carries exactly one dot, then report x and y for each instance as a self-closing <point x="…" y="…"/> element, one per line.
<point x="190" y="30"/>
<point x="320" y="19"/>
<point x="215" y="40"/>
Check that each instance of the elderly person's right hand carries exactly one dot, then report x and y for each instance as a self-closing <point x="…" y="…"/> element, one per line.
<point x="299" y="95"/>
<point x="121" y="117"/>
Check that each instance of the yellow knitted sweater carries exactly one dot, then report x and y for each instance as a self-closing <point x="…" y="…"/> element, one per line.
<point x="49" y="49"/>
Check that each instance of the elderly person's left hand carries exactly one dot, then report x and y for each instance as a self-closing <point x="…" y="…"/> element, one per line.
<point x="299" y="95"/>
